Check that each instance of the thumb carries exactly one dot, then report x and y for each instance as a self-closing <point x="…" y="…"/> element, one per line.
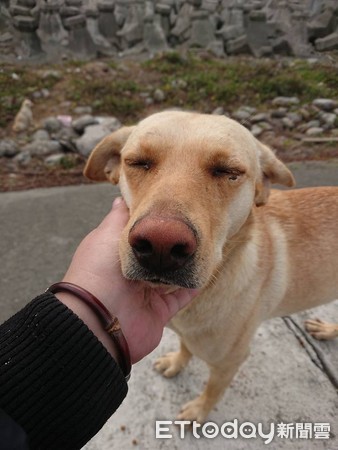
<point x="118" y="217"/>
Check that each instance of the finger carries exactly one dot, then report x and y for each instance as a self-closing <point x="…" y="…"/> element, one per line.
<point x="118" y="217"/>
<point x="119" y="203"/>
<point x="179" y="299"/>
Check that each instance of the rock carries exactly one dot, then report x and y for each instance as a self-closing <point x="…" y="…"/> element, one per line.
<point x="88" y="28"/>
<point x="305" y="113"/>
<point x="25" y="23"/>
<point x="202" y="30"/>
<point x="314" y="131"/>
<point x="82" y="110"/>
<point x="287" y="123"/>
<point x="327" y="43"/>
<point x="79" y="39"/>
<point x="266" y="126"/>
<point x="216" y="48"/>
<point x="28" y="3"/>
<point x="241" y="114"/>
<point x="148" y="101"/>
<point x="36" y="95"/>
<point x="218" y="111"/>
<point x="84" y="121"/>
<point x="52" y="124"/>
<point x="325" y="104"/>
<point x="8" y="148"/>
<point x="111" y="123"/>
<point x="154" y="36"/>
<point x="311" y="124"/>
<point x="42" y="148"/>
<point x="329" y="119"/>
<point x="93" y="135"/>
<point x="16" y="10"/>
<point x="279" y="113"/>
<point x="56" y="74"/>
<point x="69" y="11"/>
<point x="183" y="21"/>
<point x="260" y="117"/>
<point x="45" y="93"/>
<point x="23" y="158"/>
<point x="196" y="3"/>
<point x="295" y="117"/>
<point x="65" y="120"/>
<point x="53" y="160"/>
<point x="41" y="135"/>
<point x="6" y="37"/>
<point x="256" y="130"/>
<point x="66" y="133"/>
<point x="238" y="45"/>
<point x="250" y="109"/>
<point x="285" y="101"/>
<point x="74" y="21"/>
<point x="159" y="95"/>
<point x="179" y="83"/>
<point x="162" y="8"/>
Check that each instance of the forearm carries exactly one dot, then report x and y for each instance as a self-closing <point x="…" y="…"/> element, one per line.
<point x="56" y="379"/>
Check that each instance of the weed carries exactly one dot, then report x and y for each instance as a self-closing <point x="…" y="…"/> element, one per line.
<point x="68" y="162"/>
<point x="241" y="80"/>
<point x="115" y="97"/>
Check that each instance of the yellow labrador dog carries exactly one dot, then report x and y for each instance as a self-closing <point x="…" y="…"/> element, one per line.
<point x="202" y="216"/>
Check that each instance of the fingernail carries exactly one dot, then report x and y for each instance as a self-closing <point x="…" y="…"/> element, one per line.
<point x="117" y="202"/>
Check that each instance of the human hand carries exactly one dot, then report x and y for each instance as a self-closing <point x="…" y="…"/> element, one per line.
<point x="141" y="310"/>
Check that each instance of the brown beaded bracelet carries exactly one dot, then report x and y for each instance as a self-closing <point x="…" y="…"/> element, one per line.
<point x="110" y="322"/>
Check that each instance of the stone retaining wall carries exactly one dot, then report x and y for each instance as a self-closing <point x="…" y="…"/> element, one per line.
<point x="89" y="28"/>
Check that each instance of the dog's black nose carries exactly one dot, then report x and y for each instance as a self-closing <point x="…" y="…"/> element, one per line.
<point x="161" y="244"/>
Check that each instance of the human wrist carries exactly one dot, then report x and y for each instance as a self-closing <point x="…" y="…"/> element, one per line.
<point x="87" y="315"/>
<point x="109" y="322"/>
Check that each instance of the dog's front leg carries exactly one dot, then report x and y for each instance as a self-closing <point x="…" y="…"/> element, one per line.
<point x="219" y="379"/>
<point x="172" y="363"/>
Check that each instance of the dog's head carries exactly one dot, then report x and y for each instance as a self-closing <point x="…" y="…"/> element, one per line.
<point x="190" y="181"/>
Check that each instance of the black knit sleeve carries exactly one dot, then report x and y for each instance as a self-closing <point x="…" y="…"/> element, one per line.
<point x="57" y="381"/>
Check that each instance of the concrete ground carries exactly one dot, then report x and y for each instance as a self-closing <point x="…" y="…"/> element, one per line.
<point x="288" y="377"/>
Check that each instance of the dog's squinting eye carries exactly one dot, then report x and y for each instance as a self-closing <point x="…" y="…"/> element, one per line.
<point x="220" y="172"/>
<point x="139" y="163"/>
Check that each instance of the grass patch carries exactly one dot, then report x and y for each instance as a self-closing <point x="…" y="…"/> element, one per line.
<point x="189" y="81"/>
<point x="116" y="97"/>
<point x="241" y="81"/>
<point x="16" y="84"/>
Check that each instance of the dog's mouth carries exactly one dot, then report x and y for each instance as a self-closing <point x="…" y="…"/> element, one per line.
<point x="157" y="281"/>
<point x="184" y="277"/>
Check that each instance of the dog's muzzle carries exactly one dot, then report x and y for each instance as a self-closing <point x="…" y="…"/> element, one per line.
<point x="163" y="249"/>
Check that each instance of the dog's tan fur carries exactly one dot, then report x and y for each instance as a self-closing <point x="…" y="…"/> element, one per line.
<point x="24" y="118"/>
<point x="256" y="257"/>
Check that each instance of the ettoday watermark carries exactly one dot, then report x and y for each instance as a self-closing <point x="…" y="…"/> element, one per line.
<point x="246" y="430"/>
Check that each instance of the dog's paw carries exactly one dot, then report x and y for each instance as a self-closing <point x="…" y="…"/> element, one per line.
<point x="321" y="330"/>
<point x="194" y="410"/>
<point x="169" y="365"/>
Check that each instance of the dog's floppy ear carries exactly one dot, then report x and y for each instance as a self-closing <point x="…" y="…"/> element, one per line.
<point x="273" y="171"/>
<point x="104" y="161"/>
